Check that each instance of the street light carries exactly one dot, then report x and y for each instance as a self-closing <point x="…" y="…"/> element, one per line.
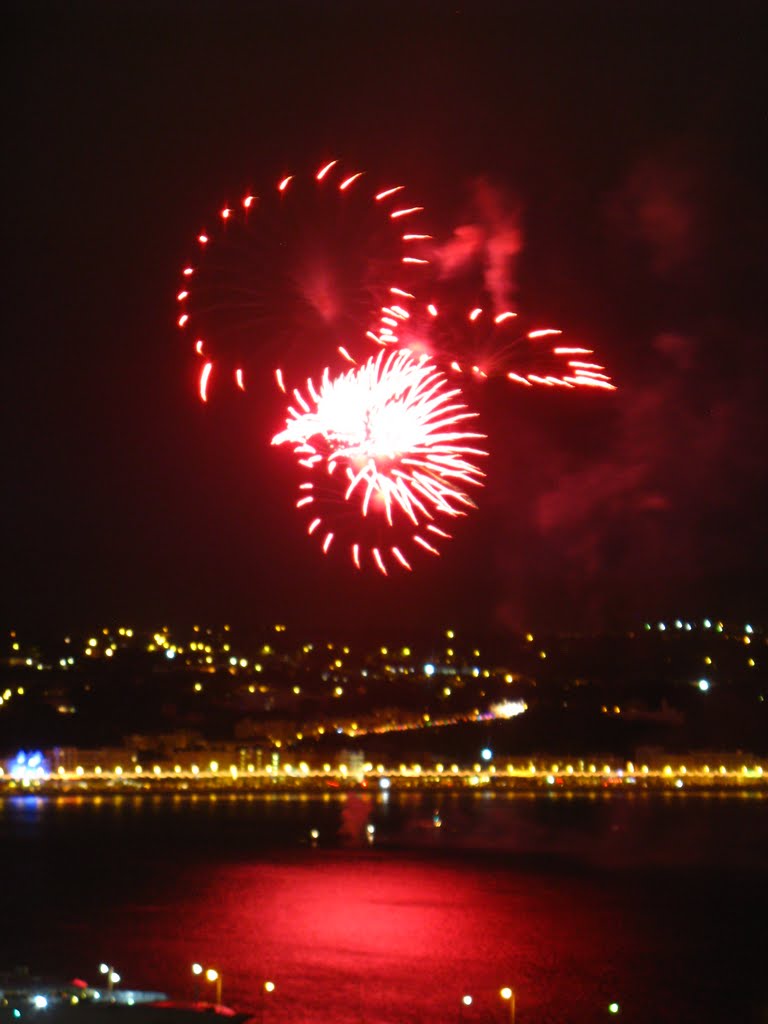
<point x="197" y="970"/>
<point x="214" y="976"/>
<point x="509" y="994"/>
<point x="211" y="975"/>
<point x="113" y="978"/>
<point x="267" y="989"/>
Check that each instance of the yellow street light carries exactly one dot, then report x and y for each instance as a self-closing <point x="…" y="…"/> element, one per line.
<point x="211" y="975"/>
<point x="509" y="994"/>
<point x="267" y="989"/>
<point x="113" y="978"/>
<point x="214" y="977"/>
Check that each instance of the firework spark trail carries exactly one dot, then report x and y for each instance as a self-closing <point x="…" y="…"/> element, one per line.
<point x="396" y="433"/>
<point x="264" y="265"/>
<point x="481" y="345"/>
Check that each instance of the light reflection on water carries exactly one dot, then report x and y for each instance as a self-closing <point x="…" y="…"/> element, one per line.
<point x="574" y="901"/>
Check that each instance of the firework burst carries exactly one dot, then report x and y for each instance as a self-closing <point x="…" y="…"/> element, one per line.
<point x="480" y="345"/>
<point x="306" y="265"/>
<point x="387" y="442"/>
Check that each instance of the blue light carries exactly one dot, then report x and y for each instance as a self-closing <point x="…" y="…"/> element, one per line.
<point x="486" y="753"/>
<point x="24" y="768"/>
<point x="429" y="670"/>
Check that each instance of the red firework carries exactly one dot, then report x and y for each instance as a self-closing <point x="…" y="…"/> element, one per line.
<point x="310" y="263"/>
<point x="479" y="344"/>
<point x="386" y="442"/>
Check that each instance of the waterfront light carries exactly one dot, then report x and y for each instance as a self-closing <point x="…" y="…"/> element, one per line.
<point x="703" y="685"/>
<point x="40" y="1002"/>
<point x="211" y="975"/>
<point x="269" y="986"/>
<point x="613" y="1007"/>
<point x="113" y="978"/>
<point x="466" y="1000"/>
<point x="508" y="994"/>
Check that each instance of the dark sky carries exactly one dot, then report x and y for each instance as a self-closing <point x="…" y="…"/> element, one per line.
<point x="628" y="137"/>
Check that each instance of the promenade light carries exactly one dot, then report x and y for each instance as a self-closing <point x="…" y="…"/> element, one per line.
<point x="613" y="1007"/>
<point x="466" y="1000"/>
<point x="508" y="994"/>
<point x="113" y="978"/>
<point x="197" y="968"/>
<point x="269" y="986"/>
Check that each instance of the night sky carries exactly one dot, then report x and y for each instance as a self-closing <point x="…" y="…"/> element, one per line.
<point x="625" y="137"/>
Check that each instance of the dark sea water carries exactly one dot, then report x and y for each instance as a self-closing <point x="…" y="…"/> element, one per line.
<point x="657" y="903"/>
